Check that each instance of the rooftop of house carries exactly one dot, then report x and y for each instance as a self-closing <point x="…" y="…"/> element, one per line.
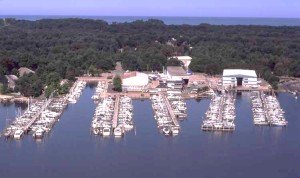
<point x="182" y="58"/>
<point x="176" y="71"/>
<point x="24" y="70"/>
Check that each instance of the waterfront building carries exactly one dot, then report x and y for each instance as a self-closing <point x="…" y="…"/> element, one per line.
<point x="176" y="77"/>
<point x="239" y="77"/>
<point x="134" y="81"/>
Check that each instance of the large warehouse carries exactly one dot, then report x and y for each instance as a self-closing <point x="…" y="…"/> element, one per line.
<point x="239" y="77"/>
<point x="134" y="81"/>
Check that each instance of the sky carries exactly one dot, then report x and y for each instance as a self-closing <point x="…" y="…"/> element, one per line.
<point x="189" y="8"/>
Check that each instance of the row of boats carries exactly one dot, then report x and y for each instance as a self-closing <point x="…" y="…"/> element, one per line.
<point x="23" y="121"/>
<point x="48" y="117"/>
<point x="178" y="106"/>
<point x="163" y="113"/>
<point x="103" y="116"/>
<point x="100" y="88"/>
<point x="220" y="114"/>
<point x="75" y="91"/>
<point x="267" y="110"/>
<point x="259" y="114"/>
<point x="113" y="116"/>
<point x="40" y="116"/>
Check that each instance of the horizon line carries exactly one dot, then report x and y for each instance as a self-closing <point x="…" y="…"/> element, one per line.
<point x="57" y="15"/>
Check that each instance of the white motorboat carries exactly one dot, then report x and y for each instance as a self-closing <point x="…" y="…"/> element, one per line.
<point x="175" y="130"/>
<point x="166" y="130"/>
<point x="106" y="131"/>
<point x="18" y="134"/>
<point x="96" y="131"/>
<point x="39" y="133"/>
<point x="118" y="132"/>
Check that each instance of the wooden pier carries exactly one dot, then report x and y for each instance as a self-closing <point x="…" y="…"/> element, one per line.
<point x="170" y="110"/>
<point x="116" y="111"/>
<point x="35" y="117"/>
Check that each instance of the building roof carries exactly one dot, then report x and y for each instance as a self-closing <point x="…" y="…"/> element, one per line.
<point x="11" y="80"/>
<point x="239" y="73"/>
<point x="181" y="58"/>
<point x="24" y="70"/>
<point x="129" y="74"/>
<point x="176" y="71"/>
<point x="135" y="79"/>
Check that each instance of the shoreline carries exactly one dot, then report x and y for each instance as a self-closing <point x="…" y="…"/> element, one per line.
<point x="174" y="20"/>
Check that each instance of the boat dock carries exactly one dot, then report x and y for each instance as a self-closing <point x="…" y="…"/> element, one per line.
<point x="113" y="115"/>
<point x="221" y="114"/>
<point x="267" y="110"/>
<point x="100" y="90"/>
<point x="116" y="112"/>
<point x="37" y="115"/>
<point x="41" y="115"/>
<point x="170" y="111"/>
<point x="164" y="115"/>
<point x="22" y="123"/>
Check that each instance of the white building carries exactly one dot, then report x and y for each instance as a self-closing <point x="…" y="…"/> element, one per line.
<point x="176" y="77"/>
<point x="239" y="77"/>
<point x="134" y="81"/>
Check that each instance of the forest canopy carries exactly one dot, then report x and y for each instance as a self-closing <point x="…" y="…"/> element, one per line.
<point x="65" y="48"/>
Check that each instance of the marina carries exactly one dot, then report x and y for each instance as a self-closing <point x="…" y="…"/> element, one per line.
<point x="124" y="121"/>
<point x="94" y="152"/>
<point x="113" y="116"/>
<point x="259" y="114"/>
<point x="266" y="110"/>
<point x="178" y="105"/>
<point x="23" y="122"/>
<point x="164" y="115"/>
<point x="221" y="114"/>
<point x="48" y="117"/>
<point x="103" y="117"/>
<point x="41" y="115"/>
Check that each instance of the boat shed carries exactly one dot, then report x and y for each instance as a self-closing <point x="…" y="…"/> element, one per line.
<point x="239" y="77"/>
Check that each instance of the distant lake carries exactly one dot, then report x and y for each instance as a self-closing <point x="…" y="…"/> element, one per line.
<point x="179" y="20"/>
<point x="70" y="150"/>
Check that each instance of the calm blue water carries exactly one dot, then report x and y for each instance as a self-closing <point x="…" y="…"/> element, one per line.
<point x="179" y="20"/>
<point x="71" y="151"/>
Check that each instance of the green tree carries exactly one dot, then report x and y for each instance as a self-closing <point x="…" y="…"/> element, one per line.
<point x="93" y="70"/>
<point x="3" y="88"/>
<point x="53" y="78"/>
<point x="29" y="85"/>
<point x="64" y="89"/>
<point x="15" y="72"/>
<point x="117" y="83"/>
<point x="49" y="90"/>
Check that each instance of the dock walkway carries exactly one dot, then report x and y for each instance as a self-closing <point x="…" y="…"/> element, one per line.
<point x="26" y="127"/>
<point x="170" y="110"/>
<point x="116" y="111"/>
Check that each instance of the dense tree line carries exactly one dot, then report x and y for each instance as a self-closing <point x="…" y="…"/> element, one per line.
<point x="65" y="48"/>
